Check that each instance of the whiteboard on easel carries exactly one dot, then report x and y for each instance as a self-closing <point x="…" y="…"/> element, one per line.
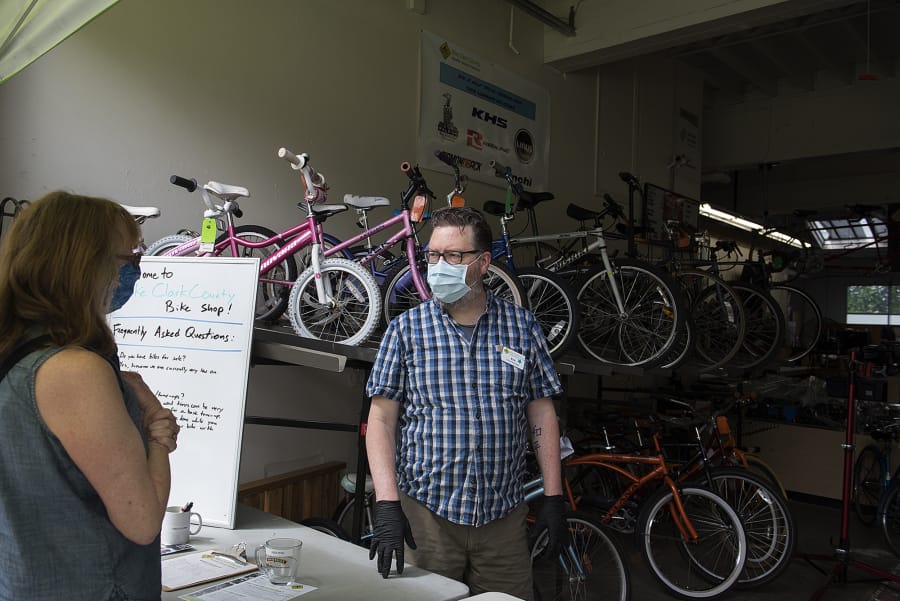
<point x="188" y="331"/>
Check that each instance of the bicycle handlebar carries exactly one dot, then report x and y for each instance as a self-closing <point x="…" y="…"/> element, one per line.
<point x="316" y="188"/>
<point x="613" y="208"/>
<point x="416" y="182"/>
<point x="629" y="179"/>
<point x="446" y="158"/>
<point x="188" y="184"/>
<point x="212" y="210"/>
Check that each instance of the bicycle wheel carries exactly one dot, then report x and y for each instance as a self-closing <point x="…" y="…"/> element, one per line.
<point x="589" y="568"/>
<point x="868" y="479"/>
<point x="165" y="245"/>
<point x="344" y="517"/>
<point x="701" y="569"/>
<point x="553" y="303"/>
<point x="682" y="347"/>
<point x="768" y="524"/>
<point x="764" y="327"/>
<point x="504" y="284"/>
<point x="325" y="526"/>
<point x="889" y="517"/>
<point x="645" y="329"/>
<point x="348" y="316"/>
<point x="760" y="468"/>
<point x="274" y="287"/>
<point x="803" y="320"/>
<point x="717" y="315"/>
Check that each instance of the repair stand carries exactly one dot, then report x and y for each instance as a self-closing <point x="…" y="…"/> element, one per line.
<point x="842" y="556"/>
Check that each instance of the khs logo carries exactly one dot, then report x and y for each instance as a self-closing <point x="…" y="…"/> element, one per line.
<point x="489" y="118"/>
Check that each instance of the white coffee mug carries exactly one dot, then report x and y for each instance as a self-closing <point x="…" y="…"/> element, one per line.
<point x="178" y="526"/>
<point x="279" y="559"/>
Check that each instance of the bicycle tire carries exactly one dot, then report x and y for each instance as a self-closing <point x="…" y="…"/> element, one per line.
<point x="354" y="310"/>
<point x="764" y="330"/>
<point x="325" y="526"/>
<point x="590" y="567"/>
<point x="768" y="525"/>
<point x="167" y="244"/>
<point x="721" y="548"/>
<point x="760" y="468"/>
<point x="889" y="517"/>
<point x="682" y="348"/>
<point x="273" y="291"/>
<point x="553" y="304"/>
<point x="641" y="335"/>
<point x="344" y="518"/>
<point x="868" y="483"/>
<point x="717" y="315"/>
<point x="803" y="320"/>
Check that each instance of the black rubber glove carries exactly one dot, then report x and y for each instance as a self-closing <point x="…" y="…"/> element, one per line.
<point x="391" y="529"/>
<point x="551" y="517"/>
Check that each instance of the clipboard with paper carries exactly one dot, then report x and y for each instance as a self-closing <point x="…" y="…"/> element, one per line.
<point x="191" y="569"/>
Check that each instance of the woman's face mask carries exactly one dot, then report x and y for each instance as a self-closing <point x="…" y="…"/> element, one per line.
<point x="128" y="276"/>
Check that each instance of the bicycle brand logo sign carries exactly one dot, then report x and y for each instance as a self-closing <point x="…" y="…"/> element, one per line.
<point x="479" y="112"/>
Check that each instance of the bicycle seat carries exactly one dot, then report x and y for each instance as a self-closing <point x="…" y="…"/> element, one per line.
<point x="365" y="202"/>
<point x="492" y="207"/>
<point x="528" y="200"/>
<point x="142" y="212"/>
<point x="580" y="213"/>
<point x="348" y="483"/>
<point x="227" y="192"/>
<point x="325" y="211"/>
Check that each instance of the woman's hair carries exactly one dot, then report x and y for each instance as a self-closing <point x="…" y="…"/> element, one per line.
<point x="56" y="265"/>
<point x="463" y="217"/>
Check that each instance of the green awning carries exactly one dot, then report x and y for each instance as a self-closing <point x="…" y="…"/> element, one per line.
<point x="30" y="28"/>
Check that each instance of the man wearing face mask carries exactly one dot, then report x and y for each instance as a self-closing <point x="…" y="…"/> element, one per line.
<point x="459" y="384"/>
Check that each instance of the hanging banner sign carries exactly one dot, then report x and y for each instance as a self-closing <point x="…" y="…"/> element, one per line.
<point x="477" y="112"/>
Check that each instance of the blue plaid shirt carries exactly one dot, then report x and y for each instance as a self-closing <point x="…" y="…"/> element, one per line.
<point x="463" y="429"/>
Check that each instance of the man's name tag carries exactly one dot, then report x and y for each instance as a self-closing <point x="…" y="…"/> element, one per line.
<point x="517" y="360"/>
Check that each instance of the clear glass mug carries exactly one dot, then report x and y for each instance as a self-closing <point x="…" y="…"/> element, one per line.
<point x="279" y="559"/>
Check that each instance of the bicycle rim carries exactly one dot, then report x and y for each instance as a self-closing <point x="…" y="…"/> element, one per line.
<point x="717" y="317"/>
<point x="349" y="316"/>
<point x="868" y="480"/>
<point x="345" y="520"/>
<point x="764" y="327"/>
<point x="274" y="286"/>
<point x="889" y="516"/>
<point x="701" y="569"/>
<point x="504" y="284"/>
<point x="803" y="321"/>
<point x="768" y="524"/>
<point x="590" y="567"/>
<point x="646" y="329"/>
<point x="553" y="304"/>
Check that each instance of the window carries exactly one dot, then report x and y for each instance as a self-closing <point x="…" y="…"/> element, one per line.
<point x="847" y="234"/>
<point x="878" y="305"/>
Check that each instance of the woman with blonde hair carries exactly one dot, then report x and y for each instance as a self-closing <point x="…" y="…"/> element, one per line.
<point x="84" y="448"/>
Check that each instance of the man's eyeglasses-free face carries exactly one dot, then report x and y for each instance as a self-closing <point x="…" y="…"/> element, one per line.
<point x="134" y="258"/>
<point x="453" y="257"/>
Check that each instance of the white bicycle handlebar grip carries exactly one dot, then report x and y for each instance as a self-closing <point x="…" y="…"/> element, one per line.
<point x="498" y="167"/>
<point x="297" y="162"/>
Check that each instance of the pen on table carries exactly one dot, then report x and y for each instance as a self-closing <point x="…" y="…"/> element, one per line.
<point x="187" y="507"/>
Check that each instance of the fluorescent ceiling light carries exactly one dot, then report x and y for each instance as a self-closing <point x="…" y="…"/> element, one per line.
<point x="739" y="222"/>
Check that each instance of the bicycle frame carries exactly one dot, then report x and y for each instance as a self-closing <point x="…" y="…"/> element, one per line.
<point x="309" y="233"/>
<point x="613" y="462"/>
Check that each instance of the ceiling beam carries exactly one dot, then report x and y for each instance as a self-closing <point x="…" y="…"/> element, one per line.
<point x="747" y="70"/>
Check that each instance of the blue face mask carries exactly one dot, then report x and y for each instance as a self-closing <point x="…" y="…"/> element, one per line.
<point x="128" y="276"/>
<point x="448" y="282"/>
